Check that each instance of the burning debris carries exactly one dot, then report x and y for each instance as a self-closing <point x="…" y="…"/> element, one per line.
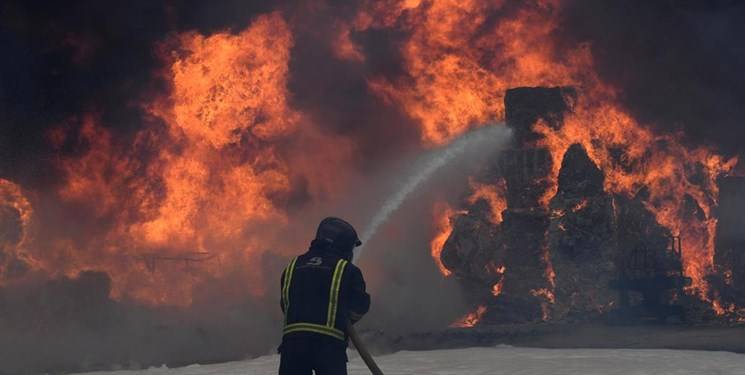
<point x="470" y="319"/>
<point x="15" y="226"/>
<point x="571" y="244"/>
<point x="445" y="229"/>
<point x="582" y="237"/>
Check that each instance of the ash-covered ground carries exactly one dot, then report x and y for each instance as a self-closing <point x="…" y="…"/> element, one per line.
<point x="507" y="360"/>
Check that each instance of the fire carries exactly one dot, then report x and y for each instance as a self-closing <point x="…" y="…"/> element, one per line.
<point x="492" y="194"/>
<point x="459" y="65"/>
<point x="344" y="48"/>
<point x="227" y="90"/>
<point x="219" y="105"/>
<point x="444" y="227"/>
<point x="549" y="298"/>
<point x="580" y="206"/>
<point x="662" y="163"/>
<point x="459" y="70"/>
<point x="471" y="319"/>
<point x="209" y="174"/>
<point x="215" y="174"/>
<point x="12" y="197"/>
<point x="727" y="277"/>
<point x="497" y="288"/>
<point x="499" y="270"/>
<point x="16" y="216"/>
<point x="545" y="293"/>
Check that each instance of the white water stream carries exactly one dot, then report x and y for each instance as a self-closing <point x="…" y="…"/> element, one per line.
<point x="475" y="143"/>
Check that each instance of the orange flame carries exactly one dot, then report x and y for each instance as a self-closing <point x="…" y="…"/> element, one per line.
<point x="217" y="174"/>
<point x="580" y="205"/>
<point x="455" y="83"/>
<point x="500" y="270"/>
<point x="471" y="319"/>
<point x="494" y="195"/>
<point x="496" y="290"/>
<point x="200" y="194"/>
<point x="549" y="297"/>
<point x="14" y="245"/>
<point x="545" y="293"/>
<point x="12" y="196"/>
<point x="459" y="65"/>
<point x="666" y="170"/>
<point x="344" y="48"/>
<point x="444" y="227"/>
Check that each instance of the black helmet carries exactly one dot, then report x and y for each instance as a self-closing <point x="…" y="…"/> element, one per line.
<point x="338" y="234"/>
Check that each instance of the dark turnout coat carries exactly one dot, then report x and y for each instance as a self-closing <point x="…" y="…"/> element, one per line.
<point x="321" y="293"/>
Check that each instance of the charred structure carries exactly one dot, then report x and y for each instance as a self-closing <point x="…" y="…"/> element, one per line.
<point x="730" y="243"/>
<point x="574" y="251"/>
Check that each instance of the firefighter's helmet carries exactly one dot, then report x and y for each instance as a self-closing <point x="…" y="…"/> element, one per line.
<point x="338" y="233"/>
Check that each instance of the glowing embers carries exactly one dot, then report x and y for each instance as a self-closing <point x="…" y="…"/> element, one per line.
<point x="471" y="319"/>
<point x="545" y="293"/>
<point x="548" y="297"/>
<point x="496" y="289"/>
<point x="580" y="205"/>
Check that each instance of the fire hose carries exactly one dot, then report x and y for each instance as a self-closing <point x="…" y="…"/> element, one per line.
<point x="362" y="349"/>
<point x="364" y="353"/>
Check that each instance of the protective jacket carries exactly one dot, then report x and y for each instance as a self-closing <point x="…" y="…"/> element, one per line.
<point x="321" y="293"/>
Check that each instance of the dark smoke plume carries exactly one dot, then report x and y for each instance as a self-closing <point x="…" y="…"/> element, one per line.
<point x="678" y="65"/>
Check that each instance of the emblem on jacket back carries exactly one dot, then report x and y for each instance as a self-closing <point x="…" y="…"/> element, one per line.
<point x="315" y="261"/>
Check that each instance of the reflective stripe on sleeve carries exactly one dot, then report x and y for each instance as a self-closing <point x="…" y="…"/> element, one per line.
<point x="286" y="287"/>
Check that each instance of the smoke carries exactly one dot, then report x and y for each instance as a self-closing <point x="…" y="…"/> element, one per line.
<point x="677" y="65"/>
<point x="81" y="327"/>
<point x="409" y="293"/>
<point x="480" y="142"/>
<point x="71" y="324"/>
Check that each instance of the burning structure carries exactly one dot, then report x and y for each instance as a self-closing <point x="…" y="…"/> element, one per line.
<point x="729" y="243"/>
<point x="571" y="244"/>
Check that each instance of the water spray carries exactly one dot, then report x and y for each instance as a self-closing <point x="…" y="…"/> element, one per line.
<point x="475" y="141"/>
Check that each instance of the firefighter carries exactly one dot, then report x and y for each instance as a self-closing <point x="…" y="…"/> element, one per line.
<point x="322" y="292"/>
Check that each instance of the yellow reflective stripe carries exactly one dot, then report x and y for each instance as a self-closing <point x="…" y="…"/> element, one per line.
<point x="316" y="328"/>
<point x="286" y="287"/>
<point x="334" y="293"/>
<point x="329" y="310"/>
